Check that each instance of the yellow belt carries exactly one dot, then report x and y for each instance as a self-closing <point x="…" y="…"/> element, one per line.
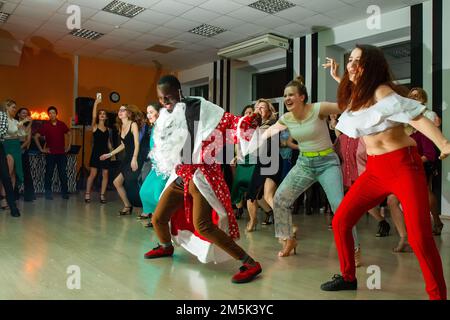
<point x="317" y="153"/>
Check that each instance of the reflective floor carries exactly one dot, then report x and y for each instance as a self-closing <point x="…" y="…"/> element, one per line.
<point x="38" y="253"/>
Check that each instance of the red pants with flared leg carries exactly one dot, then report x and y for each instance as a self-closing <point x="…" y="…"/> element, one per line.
<point x="401" y="173"/>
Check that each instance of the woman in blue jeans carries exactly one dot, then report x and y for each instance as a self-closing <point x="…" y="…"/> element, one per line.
<point x="317" y="162"/>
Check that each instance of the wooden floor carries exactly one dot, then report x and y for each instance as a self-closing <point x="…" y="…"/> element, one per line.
<point x="37" y="249"/>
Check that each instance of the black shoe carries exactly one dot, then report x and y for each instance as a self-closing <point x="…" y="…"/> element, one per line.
<point x="338" y="283"/>
<point x="15" y="212"/>
<point x="383" y="229"/>
<point x="65" y="196"/>
<point x="126" y="212"/>
<point x="149" y="225"/>
<point x="269" y="218"/>
<point x="238" y="213"/>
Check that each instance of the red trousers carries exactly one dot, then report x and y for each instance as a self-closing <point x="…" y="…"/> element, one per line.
<point x="401" y="173"/>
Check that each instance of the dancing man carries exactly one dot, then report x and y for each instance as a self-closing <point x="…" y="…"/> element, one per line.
<point x="196" y="199"/>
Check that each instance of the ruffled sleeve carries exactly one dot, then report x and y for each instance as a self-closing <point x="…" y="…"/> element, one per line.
<point x="385" y="114"/>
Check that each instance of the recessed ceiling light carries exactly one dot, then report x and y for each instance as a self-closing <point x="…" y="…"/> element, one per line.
<point x="161" y="48"/>
<point x="3" y="17"/>
<point x="123" y="9"/>
<point x="86" y="34"/>
<point x="207" y="30"/>
<point x="271" y="6"/>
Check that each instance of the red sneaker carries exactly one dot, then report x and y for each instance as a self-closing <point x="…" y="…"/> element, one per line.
<point x="159" y="252"/>
<point x="247" y="273"/>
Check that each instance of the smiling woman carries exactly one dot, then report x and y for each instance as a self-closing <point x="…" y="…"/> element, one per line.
<point x="374" y="111"/>
<point x="317" y="161"/>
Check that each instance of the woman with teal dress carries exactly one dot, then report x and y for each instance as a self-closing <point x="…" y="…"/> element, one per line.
<point x="153" y="184"/>
<point x="17" y="130"/>
<point x="243" y="175"/>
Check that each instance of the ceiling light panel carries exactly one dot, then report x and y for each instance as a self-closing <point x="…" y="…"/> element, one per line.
<point x="86" y="34"/>
<point x="207" y="30"/>
<point x="3" y="17"/>
<point x="271" y="6"/>
<point x="123" y="9"/>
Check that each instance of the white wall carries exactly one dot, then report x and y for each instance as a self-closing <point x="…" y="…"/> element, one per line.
<point x="390" y="21"/>
<point x="241" y="93"/>
<point x="331" y="84"/>
<point x="196" y="76"/>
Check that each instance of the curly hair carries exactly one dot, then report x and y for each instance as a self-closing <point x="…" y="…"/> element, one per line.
<point x="273" y="112"/>
<point x="134" y="114"/>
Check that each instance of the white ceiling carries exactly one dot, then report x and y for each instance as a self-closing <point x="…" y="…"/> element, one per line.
<point x="166" y="21"/>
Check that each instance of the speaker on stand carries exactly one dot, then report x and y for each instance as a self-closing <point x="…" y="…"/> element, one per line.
<point x="83" y="110"/>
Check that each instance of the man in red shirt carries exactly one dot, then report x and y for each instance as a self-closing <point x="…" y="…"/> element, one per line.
<point x="55" y="133"/>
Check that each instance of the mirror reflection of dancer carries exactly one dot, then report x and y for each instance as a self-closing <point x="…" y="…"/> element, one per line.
<point x="376" y="112"/>
<point x="196" y="199"/>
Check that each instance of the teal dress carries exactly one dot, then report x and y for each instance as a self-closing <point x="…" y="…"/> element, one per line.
<point x="152" y="187"/>
<point x="242" y="179"/>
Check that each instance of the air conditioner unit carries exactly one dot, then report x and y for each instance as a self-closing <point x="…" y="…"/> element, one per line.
<point x="253" y="46"/>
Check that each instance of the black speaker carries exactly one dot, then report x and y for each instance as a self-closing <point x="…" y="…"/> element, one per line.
<point x="83" y="109"/>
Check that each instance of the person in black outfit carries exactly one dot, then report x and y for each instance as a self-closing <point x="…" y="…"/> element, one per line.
<point x="5" y="178"/>
<point x="101" y="144"/>
<point x="129" y="120"/>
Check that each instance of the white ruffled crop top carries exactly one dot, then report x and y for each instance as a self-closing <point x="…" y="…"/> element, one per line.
<point x="385" y="114"/>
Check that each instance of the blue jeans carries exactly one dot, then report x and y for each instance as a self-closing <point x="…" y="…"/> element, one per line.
<point x="326" y="170"/>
